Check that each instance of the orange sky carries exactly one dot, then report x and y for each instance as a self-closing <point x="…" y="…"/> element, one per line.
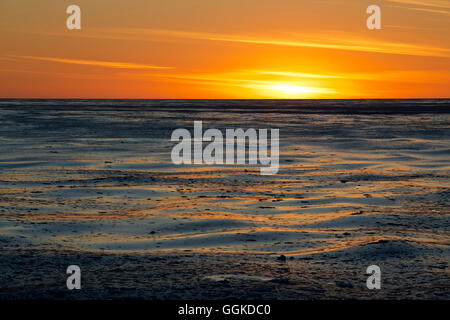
<point x="225" y="49"/>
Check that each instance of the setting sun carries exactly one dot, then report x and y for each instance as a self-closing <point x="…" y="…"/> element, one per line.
<point x="292" y="90"/>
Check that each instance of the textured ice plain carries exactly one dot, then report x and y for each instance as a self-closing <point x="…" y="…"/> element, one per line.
<point x="91" y="183"/>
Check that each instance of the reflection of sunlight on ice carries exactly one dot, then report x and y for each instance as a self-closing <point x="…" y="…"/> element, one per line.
<point x="344" y="181"/>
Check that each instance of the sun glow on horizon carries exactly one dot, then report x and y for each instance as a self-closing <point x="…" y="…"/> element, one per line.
<point x="294" y="91"/>
<point x="291" y="89"/>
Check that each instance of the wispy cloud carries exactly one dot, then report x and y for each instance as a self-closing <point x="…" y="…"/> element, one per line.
<point x="425" y="6"/>
<point x="345" y="42"/>
<point x="250" y="79"/>
<point x="107" y="64"/>
<point x="300" y="74"/>
<point x="430" y="10"/>
<point x="425" y="3"/>
<point x="257" y="78"/>
<point x="333" y="41"/>
<point x="69" y="75"/>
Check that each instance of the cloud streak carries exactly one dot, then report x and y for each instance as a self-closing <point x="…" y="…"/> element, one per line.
<point x="342" y="41"/>
<point x="430" y="10"/>
<point x="300" y="75"/>
<point x="107" y="64"/>
<point x="426" y="3"/>
<point x="254" y="78"/>
<point x="430" y="6"/>
<point x="320" y="41"/>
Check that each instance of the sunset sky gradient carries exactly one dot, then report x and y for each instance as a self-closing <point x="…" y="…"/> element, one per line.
<point x="225" y="49"/>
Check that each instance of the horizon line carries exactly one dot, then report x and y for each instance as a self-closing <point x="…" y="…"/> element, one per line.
<point x="254" y="99"/>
